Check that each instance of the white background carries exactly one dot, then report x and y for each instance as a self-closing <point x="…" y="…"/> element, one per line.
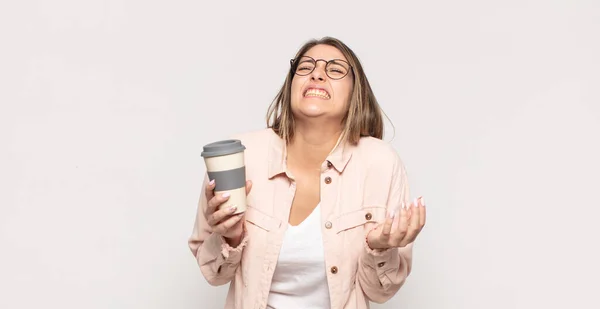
<point x="105" y="106"/>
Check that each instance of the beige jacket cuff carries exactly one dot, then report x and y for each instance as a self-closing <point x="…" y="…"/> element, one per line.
<point x="382" y="261"/>
<point x="217" y="249"/>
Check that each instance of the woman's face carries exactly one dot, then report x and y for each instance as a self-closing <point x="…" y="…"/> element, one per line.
<point x="321" y="94"/>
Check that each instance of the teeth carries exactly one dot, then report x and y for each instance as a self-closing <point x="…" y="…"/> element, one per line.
<point x="317" y="93"/>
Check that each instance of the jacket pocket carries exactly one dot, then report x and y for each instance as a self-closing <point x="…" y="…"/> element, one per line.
<point x="350" y="231"/>
<point x="260" y="219"/>
<point x="360" y="217"/>
<point x="258" y="227"/>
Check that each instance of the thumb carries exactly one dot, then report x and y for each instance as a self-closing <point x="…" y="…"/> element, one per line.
<point x="373" y="238"/>
<point x="248" y="186"/>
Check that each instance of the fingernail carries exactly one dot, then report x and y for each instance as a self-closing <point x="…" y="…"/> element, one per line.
<point x="416" y="202"/>
<point x="232" y="208"/>
<point x="391" y="213"/>
<point x="403" y="205"/>
<point x="212" y="182"/>
<point x="226" y="195"/>
<point x="422" y="201"/>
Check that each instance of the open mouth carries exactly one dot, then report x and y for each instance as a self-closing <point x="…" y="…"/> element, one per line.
<point x="318" y="93"/>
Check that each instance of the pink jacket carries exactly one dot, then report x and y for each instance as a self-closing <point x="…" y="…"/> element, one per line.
<point x="359" y="184"/>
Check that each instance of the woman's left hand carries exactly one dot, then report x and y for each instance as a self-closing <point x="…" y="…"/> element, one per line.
<point x="400" y="228"/>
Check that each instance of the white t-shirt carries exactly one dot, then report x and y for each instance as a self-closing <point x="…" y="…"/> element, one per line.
<point x="300" y="278"/>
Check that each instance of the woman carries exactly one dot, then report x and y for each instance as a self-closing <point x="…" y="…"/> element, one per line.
<point x="329" y="222"/>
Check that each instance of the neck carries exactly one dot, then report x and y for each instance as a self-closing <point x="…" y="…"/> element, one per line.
<point x="311" y="145"/>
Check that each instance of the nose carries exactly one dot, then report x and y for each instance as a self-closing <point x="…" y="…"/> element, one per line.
<point x="318" y="73"/>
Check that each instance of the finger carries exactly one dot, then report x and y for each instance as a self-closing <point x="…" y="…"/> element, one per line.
<point x="397" y="219"/>
<point x="422" y="213"/>
<point x="248" y="186"/>
<point x="224" y="226"/>
<point x="400" y="232"/>
<point x="209" y="190"/>
<point x="412" y="225"/>
<point x="220" y="214"/>
<point x="215" y="202"/>
<point x="411" y="235"/>
<point x="387" y="225"/>
<point x="416" y="212"/>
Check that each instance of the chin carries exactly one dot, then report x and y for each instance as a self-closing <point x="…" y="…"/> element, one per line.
<point x="310" y="111"/>
<point x="314" y="106"/>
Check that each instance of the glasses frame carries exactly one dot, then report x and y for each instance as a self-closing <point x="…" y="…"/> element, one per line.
<point x="327" y="62"/>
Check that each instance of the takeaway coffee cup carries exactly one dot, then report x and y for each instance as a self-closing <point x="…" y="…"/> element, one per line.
<point x="225" y="165"/>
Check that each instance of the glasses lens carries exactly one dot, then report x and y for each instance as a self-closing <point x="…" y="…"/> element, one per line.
<point x="305" y="66"/>
<point x="337" y="69"/>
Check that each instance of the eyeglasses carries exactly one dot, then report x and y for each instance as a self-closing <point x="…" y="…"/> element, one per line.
<point x="335" y="68"/>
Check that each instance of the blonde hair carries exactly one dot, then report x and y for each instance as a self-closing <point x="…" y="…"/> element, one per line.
<point x="364" y="115"/>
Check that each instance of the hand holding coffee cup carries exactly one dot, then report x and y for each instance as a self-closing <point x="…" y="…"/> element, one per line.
<point x="228" y="187"/>
<point x="222" y="220"/>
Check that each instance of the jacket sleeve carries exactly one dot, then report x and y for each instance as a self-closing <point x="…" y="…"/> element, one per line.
<point x="217" y="260"/>
<point x="381" y="273"/>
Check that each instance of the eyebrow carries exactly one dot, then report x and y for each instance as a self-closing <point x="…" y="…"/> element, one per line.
<point x="339" y="61"/>
<point x="330" y="60"/>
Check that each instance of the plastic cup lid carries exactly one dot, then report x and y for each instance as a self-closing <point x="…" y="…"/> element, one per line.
<point x="222" y="148"/>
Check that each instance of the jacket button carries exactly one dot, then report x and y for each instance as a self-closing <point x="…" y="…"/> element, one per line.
<point x="327" y="180"/>
<point x="368" y="216"/>
<point x="381" y="264"/>
<point x="334" y="270"/>
<point x="328" y="225"/>
<point x="329" y="164"/>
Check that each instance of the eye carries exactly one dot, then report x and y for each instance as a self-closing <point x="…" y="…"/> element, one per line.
<point x="337" y="69"/>
<point x="305" y="66"/>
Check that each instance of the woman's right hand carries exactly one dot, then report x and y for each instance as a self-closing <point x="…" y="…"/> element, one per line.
<point x="222" y="221"/>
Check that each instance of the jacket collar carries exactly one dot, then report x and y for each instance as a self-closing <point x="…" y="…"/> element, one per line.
<point x="338" y="157"/>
